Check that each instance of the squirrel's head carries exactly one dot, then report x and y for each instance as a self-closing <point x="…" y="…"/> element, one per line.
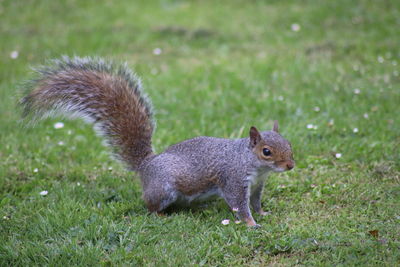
<point x="271" y="149"/>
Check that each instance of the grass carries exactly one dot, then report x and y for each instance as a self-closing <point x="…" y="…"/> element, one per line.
<point x="224" y="66"/>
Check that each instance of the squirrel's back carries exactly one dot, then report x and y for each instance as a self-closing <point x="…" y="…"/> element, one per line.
<point x="108" y="95"/>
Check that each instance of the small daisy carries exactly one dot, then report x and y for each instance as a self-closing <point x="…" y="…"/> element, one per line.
<point x="58" y="125"/>
<point x="225" y="222"/>
<point x="295" y="27"/>
<point x="14" y="54"/>
<point x="312" y="126"/>
<point x="338" y="155"/>
<point x="157" y="51"/>
<point x="357" y="91"/>
<point x="35" y="170"/>
<point x="317" y="109"/>
<point x="355" y="130"/>
<point x="44" y="193"/>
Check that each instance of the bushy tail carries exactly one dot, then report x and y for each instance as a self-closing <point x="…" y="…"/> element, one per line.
<point x="109" y="96"/>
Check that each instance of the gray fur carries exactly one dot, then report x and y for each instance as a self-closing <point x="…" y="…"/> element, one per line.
<point x="239" y="173"/>
<point x="194" y="170"/>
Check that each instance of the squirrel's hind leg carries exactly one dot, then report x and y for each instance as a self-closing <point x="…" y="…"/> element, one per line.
<point x="157" y="177"/>
<point x="158" y="198"/>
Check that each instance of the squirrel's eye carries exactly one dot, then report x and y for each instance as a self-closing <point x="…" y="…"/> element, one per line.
<point x="266" y="152"/>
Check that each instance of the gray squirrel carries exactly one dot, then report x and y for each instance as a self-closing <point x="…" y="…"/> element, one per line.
<point x="110" y="96"/>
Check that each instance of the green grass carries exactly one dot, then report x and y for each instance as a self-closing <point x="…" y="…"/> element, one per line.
<point x="224" y="66"/>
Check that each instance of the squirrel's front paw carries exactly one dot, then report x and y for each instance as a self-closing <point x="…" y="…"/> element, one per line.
<point x="250" y="222"/>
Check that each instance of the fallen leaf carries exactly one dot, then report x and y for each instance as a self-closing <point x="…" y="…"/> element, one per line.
<point x="374" y="233"/>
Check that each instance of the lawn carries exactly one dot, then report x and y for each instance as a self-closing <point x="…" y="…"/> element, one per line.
<point x="328" y="71"/>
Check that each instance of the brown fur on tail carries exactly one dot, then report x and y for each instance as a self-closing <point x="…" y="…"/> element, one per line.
<point x="99" y="92"/>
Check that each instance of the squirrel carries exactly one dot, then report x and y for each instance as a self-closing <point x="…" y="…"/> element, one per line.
<point x="110" y="96"/>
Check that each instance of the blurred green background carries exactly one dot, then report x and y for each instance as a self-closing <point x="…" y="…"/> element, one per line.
<point x="327" y="70"/>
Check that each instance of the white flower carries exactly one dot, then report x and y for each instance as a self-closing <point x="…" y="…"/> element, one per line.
<point x="238" y="221"/>
<point x="235" y="209"/>
<point x="280" y="98"/>
<point x="355" y="130"/>
<point x="14" y="54"/>
<point x="366" y="115"/>
<point x="157" y="51"/>
<point x="43" y="193"/>
<point x="338" y="155"/>
<point x="317" y="109"/>
<point x="225" y="222"/>
<point x="295" y="27"/>
<point x="61" y="143"/>
<point x="312" y="126"/>
<point x="357" y="91"/>
<point x="78" y="184"/>
<point x="381" y="59"/>
<point x="58" y="125"/>
<point x="110" y="168"/>
<point x="69" y="132"/>
<point x="35" y="170"/>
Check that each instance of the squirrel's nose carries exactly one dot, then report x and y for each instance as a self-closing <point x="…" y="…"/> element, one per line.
<point x="290" y="165"/>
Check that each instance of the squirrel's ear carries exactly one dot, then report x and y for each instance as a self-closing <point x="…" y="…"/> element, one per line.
<point x="255" y="136"/>
<point x="276" y="127"/>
